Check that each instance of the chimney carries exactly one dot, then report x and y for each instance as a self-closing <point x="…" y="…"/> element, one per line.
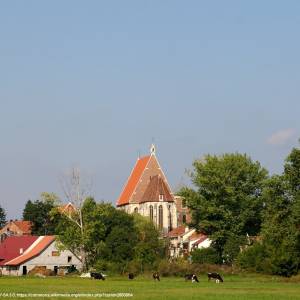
<point x="21" y="250"/>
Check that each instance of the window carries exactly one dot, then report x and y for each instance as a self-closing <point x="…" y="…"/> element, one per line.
<point x="55" y="253"/>
<point x="151" y="213"/>
<point x="183" y="203"/>
<point x="184" y="219"/>
<point x="161" y="197"/>
<point x="69" y="259"/>
<point x="136" y="210"/>
<point x="160" y="217"/>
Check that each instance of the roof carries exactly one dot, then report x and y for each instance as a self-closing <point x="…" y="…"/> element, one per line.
<point x="177" y="231"/>
<point x="198" y="237"/>
<point x="25" y="226"/>
<point x="155" y="189"/>
<point x="133" y="180"/>
<point x="10" y="247"/>
<point x="68" y="208"/>
<point x="39" y="245"/>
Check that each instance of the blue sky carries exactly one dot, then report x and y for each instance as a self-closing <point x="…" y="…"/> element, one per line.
<point x="91" y="83"/>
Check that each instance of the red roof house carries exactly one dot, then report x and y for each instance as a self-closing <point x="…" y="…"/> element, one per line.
<point x="20" y="254"/>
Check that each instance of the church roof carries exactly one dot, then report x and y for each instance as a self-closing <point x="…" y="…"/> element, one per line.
<point x="133" y="180"/>
<point x="157" y="191"/>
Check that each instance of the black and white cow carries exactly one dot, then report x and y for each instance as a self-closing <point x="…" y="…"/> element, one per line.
<point x="96" y="275"/>
<point x="156" y="276"/>
<point x="216" y="276"/>
<point x="131" y="276"/>
<point x="191" y="277"/>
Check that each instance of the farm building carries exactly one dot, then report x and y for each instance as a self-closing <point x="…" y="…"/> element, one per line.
<point x="15" y="227"/>
<point x="21" y="254"/>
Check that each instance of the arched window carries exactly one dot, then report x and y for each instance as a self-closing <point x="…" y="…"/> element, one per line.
<point x="160" y="217"/>
<point x="184" y="219"/>
<point x="151" y="213"/>
<point x="170" y="221"/>
<point x="136" y="210"/>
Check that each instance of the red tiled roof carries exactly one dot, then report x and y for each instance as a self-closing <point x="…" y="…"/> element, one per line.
<point x="177" y="231"/>
<point x="155" y="189"/>
<point x="67" y="208"/>
<point x="10" y="247"/>
<point x="199" y="237"/>
<point x="40" y="244"/>
<point x="25" y="226"/>
<point x="133" y="180"/>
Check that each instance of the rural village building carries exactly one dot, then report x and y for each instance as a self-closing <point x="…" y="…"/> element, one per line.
<point x="183" y="240"/>
<point x="21" y="254"/>
<point x="15" y="228"/>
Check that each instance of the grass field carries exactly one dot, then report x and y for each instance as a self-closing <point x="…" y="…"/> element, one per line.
<point x="234" y="287"/>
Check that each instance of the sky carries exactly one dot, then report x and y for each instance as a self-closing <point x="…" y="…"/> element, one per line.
<point x="93" y="83"/>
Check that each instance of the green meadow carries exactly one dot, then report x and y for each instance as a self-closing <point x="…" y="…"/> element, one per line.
<point x="143" y="287"/>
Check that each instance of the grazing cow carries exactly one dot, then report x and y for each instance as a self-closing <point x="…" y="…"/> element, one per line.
<point x="131" y="276"/>
<point x="218" y="278"/>
<point x="156" y="276"/>
<point x="191" y="277"/>
<point x="97" y="276"/>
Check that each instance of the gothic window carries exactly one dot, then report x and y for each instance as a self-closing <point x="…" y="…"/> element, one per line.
<point x="170" y="219"/>
<point x="160" y="217"/>
<point x="151" y="212"/>
<point x="184" y="219"/>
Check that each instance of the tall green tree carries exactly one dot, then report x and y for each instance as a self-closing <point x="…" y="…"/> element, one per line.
<point x="280" y="231"/>
<point x="226" y="201"/>
<point x="38" y="212"/>
<point x="2" y="217"/>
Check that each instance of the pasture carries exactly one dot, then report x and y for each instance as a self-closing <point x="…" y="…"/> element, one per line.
<point x="144" y="287"/>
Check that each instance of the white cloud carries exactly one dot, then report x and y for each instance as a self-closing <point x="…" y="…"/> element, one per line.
<point x="281" y="137"/>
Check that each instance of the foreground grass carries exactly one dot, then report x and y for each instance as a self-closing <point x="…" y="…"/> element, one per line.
<point x="143" y="287"/>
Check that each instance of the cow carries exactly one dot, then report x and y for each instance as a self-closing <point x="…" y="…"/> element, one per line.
<point x="96" y="275"/>
<point x="191" y="277"/>
<point x="156" y="276"/>
<point x="218" y="278"/>
<point x="131" y="276"/>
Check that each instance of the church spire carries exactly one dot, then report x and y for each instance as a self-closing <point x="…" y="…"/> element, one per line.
<point x="152" y="149"/>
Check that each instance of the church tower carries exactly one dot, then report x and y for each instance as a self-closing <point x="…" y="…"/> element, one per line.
<point x="148" y="193"/>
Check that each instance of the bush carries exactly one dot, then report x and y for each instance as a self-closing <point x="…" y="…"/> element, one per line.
<point x="254" y="258"/>
<point x="205" y="256"/>
<point x="176" y="267"/>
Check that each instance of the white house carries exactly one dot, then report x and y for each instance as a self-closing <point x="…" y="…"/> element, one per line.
<point x="20" y="254"/>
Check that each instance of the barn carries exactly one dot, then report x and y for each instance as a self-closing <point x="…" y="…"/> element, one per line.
<point x="21" y="254"/>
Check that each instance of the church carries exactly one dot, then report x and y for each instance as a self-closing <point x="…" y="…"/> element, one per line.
<point x="148" y="193"/>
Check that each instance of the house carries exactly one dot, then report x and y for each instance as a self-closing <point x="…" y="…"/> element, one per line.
<point x="67" y="209"/>
<point x="20" y="254"/>
<point x="183" y="240"/>
<point x="148" y="193"/>
<point x="15" y="228"/>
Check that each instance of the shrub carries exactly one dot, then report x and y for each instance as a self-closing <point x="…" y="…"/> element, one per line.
<point x="205" y="256"/>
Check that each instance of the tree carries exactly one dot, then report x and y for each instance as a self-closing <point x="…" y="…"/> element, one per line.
<point x="77" y="189"/>
<point x="226" y="202"/>
<point x="2" y="217"/>
<point x="278" y="251"/>
<point x="282" y="218"/>
<point x="38" y="212"/>
<point x="149" y="246"/>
